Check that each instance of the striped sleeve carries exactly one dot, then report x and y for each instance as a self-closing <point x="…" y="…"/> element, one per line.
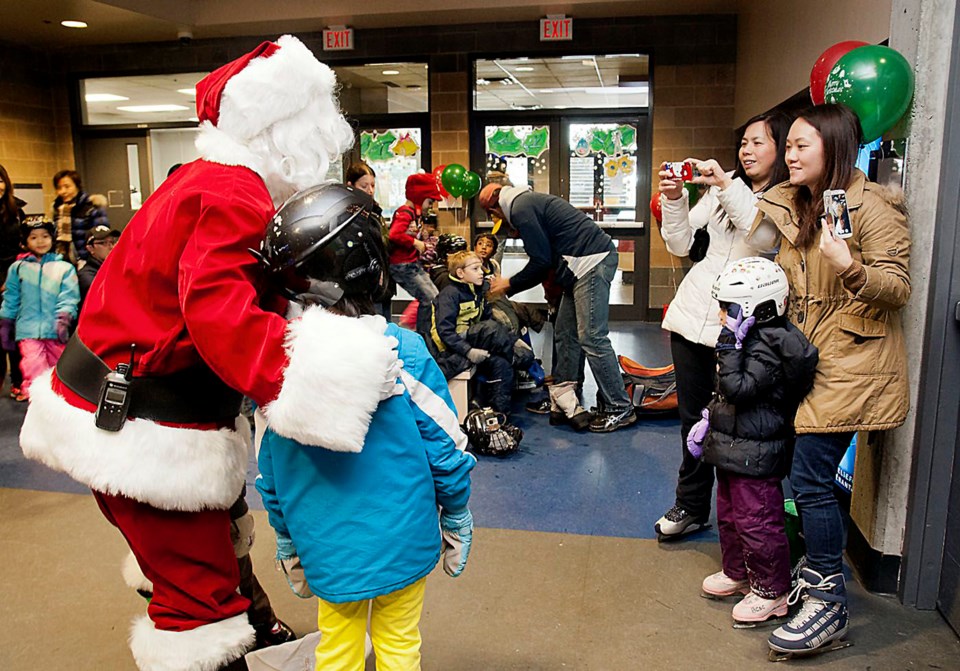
<point x="436" y="416"/>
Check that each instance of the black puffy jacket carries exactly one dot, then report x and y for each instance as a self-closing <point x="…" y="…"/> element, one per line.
<point x="759" y="389"/>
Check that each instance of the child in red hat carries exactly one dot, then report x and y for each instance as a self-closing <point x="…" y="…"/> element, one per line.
<point x="405" y="246"/>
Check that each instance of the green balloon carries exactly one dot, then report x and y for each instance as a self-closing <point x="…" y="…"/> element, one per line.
<point x="876" y="83"/>
<point x="471" y="184"/>
<point x="693" y="192"/>
<point x="452" y="179"/>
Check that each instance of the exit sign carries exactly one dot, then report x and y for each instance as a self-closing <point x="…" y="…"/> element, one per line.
<point x="556" y="29"/>
<point x="338" y="38"/>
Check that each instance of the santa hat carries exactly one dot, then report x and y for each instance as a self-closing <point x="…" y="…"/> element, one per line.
<point x="275" y="81"/>
<point x="420" y="186"/>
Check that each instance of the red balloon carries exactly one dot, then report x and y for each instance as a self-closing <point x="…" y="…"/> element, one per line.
<point x="438" y="172"/>
<point x="823" y="66"/>
<point x="655" y="208"/>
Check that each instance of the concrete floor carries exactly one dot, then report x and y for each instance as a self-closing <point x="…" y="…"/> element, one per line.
<point x="564" y="573"/>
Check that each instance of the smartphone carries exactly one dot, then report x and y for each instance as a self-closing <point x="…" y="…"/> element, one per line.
<point x="836" y="212"/>
<point x="681" y="170"/>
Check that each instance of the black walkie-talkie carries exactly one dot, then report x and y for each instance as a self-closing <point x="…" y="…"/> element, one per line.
<point x="115" y="397"/>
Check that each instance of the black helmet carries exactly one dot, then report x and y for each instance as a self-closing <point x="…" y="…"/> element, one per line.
<point x="489" y="434"/>
<point x="448" y="244"/>
<point x="326" y="241"/>
<point x="33" y="224"/>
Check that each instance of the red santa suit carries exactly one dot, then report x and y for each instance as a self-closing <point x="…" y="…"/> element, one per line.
<point x="183" y="287"/>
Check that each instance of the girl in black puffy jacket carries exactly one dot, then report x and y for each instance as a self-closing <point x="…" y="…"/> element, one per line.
<point x="11" y="216"/>
<point x="765" y="366"/>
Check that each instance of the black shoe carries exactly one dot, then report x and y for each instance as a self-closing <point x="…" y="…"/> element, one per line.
<point x="604" y="422"/>
<point x="541" y="407"/>
<point x="579" y="422"/>
<point x="274" y="634"/>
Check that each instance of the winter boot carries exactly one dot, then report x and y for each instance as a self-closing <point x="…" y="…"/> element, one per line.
<point x="821" y="623"/>
<point x="564" y="396"/>
<point x="755" y="610"/>
<point x="677" y="523"/>
<point x="544" y="406"/>
<point x="719" y="586"/>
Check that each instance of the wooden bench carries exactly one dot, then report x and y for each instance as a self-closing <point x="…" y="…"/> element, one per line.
<point x="460" y="391"/>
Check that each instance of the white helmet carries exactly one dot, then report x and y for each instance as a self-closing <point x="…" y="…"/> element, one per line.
<point x="759" y="286"/>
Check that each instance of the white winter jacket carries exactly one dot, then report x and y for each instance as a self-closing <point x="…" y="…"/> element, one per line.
<point x="693" y="313"/>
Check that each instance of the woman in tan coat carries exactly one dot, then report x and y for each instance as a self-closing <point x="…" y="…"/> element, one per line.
<point x="845" y="295"/>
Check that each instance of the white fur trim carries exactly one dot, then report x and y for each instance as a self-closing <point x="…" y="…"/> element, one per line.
<point x="272" y="88"/>
<point x="206" y="648"/>
<point x="133" y="576"/>
<point x="171" y="468"/>
<point x="218" y="146"/>
<point x="332" y="385"/>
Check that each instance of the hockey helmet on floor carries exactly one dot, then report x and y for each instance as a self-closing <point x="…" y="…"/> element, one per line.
<point x="326" y="241"/>
<point x="759" y="286"/>
<point x="489" y="434"/>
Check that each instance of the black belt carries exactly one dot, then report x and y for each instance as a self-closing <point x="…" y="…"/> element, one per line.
<point x="192" y="396"/>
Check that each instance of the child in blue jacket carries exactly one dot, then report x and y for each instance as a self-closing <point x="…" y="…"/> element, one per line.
<point x="39" y="304"/>
<point x="356" y="528"/>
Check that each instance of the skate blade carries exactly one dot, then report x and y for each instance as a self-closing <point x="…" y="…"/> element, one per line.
<point x="833" y="646"/>
<point x="736" y="596"/>
<point x="769" y="622"/>
<point x="671" y="538"/>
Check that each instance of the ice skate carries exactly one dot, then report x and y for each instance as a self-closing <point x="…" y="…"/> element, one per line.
<point x="821" y="623"/>
<point x="677" y="523"/>
<point x="718" y="586"/>
<point x="756" y="611"/>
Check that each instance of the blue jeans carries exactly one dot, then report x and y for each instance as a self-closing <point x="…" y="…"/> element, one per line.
<point x="413" y="278"/>
<point x="582" y="324"/>
<point x="815" y="460"/>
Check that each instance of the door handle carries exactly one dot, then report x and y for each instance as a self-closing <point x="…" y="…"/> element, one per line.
<point x="956" y="312"/>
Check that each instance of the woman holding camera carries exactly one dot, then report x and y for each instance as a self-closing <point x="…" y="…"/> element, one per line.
<point x="845" y="295"/>
<point x="712" y="234"/>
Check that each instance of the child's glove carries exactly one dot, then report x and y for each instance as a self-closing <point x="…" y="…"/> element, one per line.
<point x="63" y="327"/>
<point x="522" y="354"/>
<point x="242" y="534"/>
<point x="289" y="563"/>
<point x="735" y="330"/>
<point x="7" y="339"/>
<point x="456" y="528"/>
<point x="477" y="355"/>
<point x="697" y="434"/>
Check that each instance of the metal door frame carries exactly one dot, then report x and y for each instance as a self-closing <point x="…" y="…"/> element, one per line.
<point x="935" y="436"/>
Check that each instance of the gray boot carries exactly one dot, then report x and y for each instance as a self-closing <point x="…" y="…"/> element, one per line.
<point x="563" y="395"/>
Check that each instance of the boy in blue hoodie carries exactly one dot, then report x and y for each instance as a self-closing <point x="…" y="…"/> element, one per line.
<point x="362" y="528"/>
<point x="39" y="304"/>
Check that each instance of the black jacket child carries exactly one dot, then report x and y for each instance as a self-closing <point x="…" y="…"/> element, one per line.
<point x="759" y="389"/>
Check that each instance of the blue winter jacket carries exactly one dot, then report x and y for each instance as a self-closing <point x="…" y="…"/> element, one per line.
<point x="366" y="524"/>
<point x="38" y="289"/>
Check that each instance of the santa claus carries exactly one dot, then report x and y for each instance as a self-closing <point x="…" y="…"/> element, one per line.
<point x="181" y="300"/>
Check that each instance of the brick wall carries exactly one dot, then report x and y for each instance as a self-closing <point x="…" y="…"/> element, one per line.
<point x="693" y="79"/>
<point x="692" y="117"/>
<point x="35" y="132"/>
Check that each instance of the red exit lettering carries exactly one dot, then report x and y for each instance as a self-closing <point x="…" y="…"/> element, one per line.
<point x="338" y="40"/>
<point x="556" y="29"/>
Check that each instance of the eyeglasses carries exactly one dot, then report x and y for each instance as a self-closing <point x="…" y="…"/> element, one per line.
<point x="107" y="242"/>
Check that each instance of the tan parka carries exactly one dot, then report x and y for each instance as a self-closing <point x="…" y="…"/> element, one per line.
<point x="861" y="381"/>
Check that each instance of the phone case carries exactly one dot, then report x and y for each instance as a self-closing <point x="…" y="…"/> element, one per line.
<point x="837" y="213"/>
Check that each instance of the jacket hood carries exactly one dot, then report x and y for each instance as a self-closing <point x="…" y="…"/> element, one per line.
<point x="507" y="195"/>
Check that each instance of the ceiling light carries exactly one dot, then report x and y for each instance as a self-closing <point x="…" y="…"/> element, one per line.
<point x="103" y="98"/>
<point x="524" y="68"/>
<point x="390" y="72"/>
<point x="73" y="24"/>
<point x="546" y="91"/>
<point x="589" y="63"/>
<point x="188" y="92"/>
<point x="483" y="82"/>
<point x="152" y="108"/>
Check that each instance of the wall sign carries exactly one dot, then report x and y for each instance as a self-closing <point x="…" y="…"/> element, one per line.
<point x="338" y="38"/>
<point x="556" y="29"/>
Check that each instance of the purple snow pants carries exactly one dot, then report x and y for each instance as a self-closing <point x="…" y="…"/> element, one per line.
<point x="752" y="538"/>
